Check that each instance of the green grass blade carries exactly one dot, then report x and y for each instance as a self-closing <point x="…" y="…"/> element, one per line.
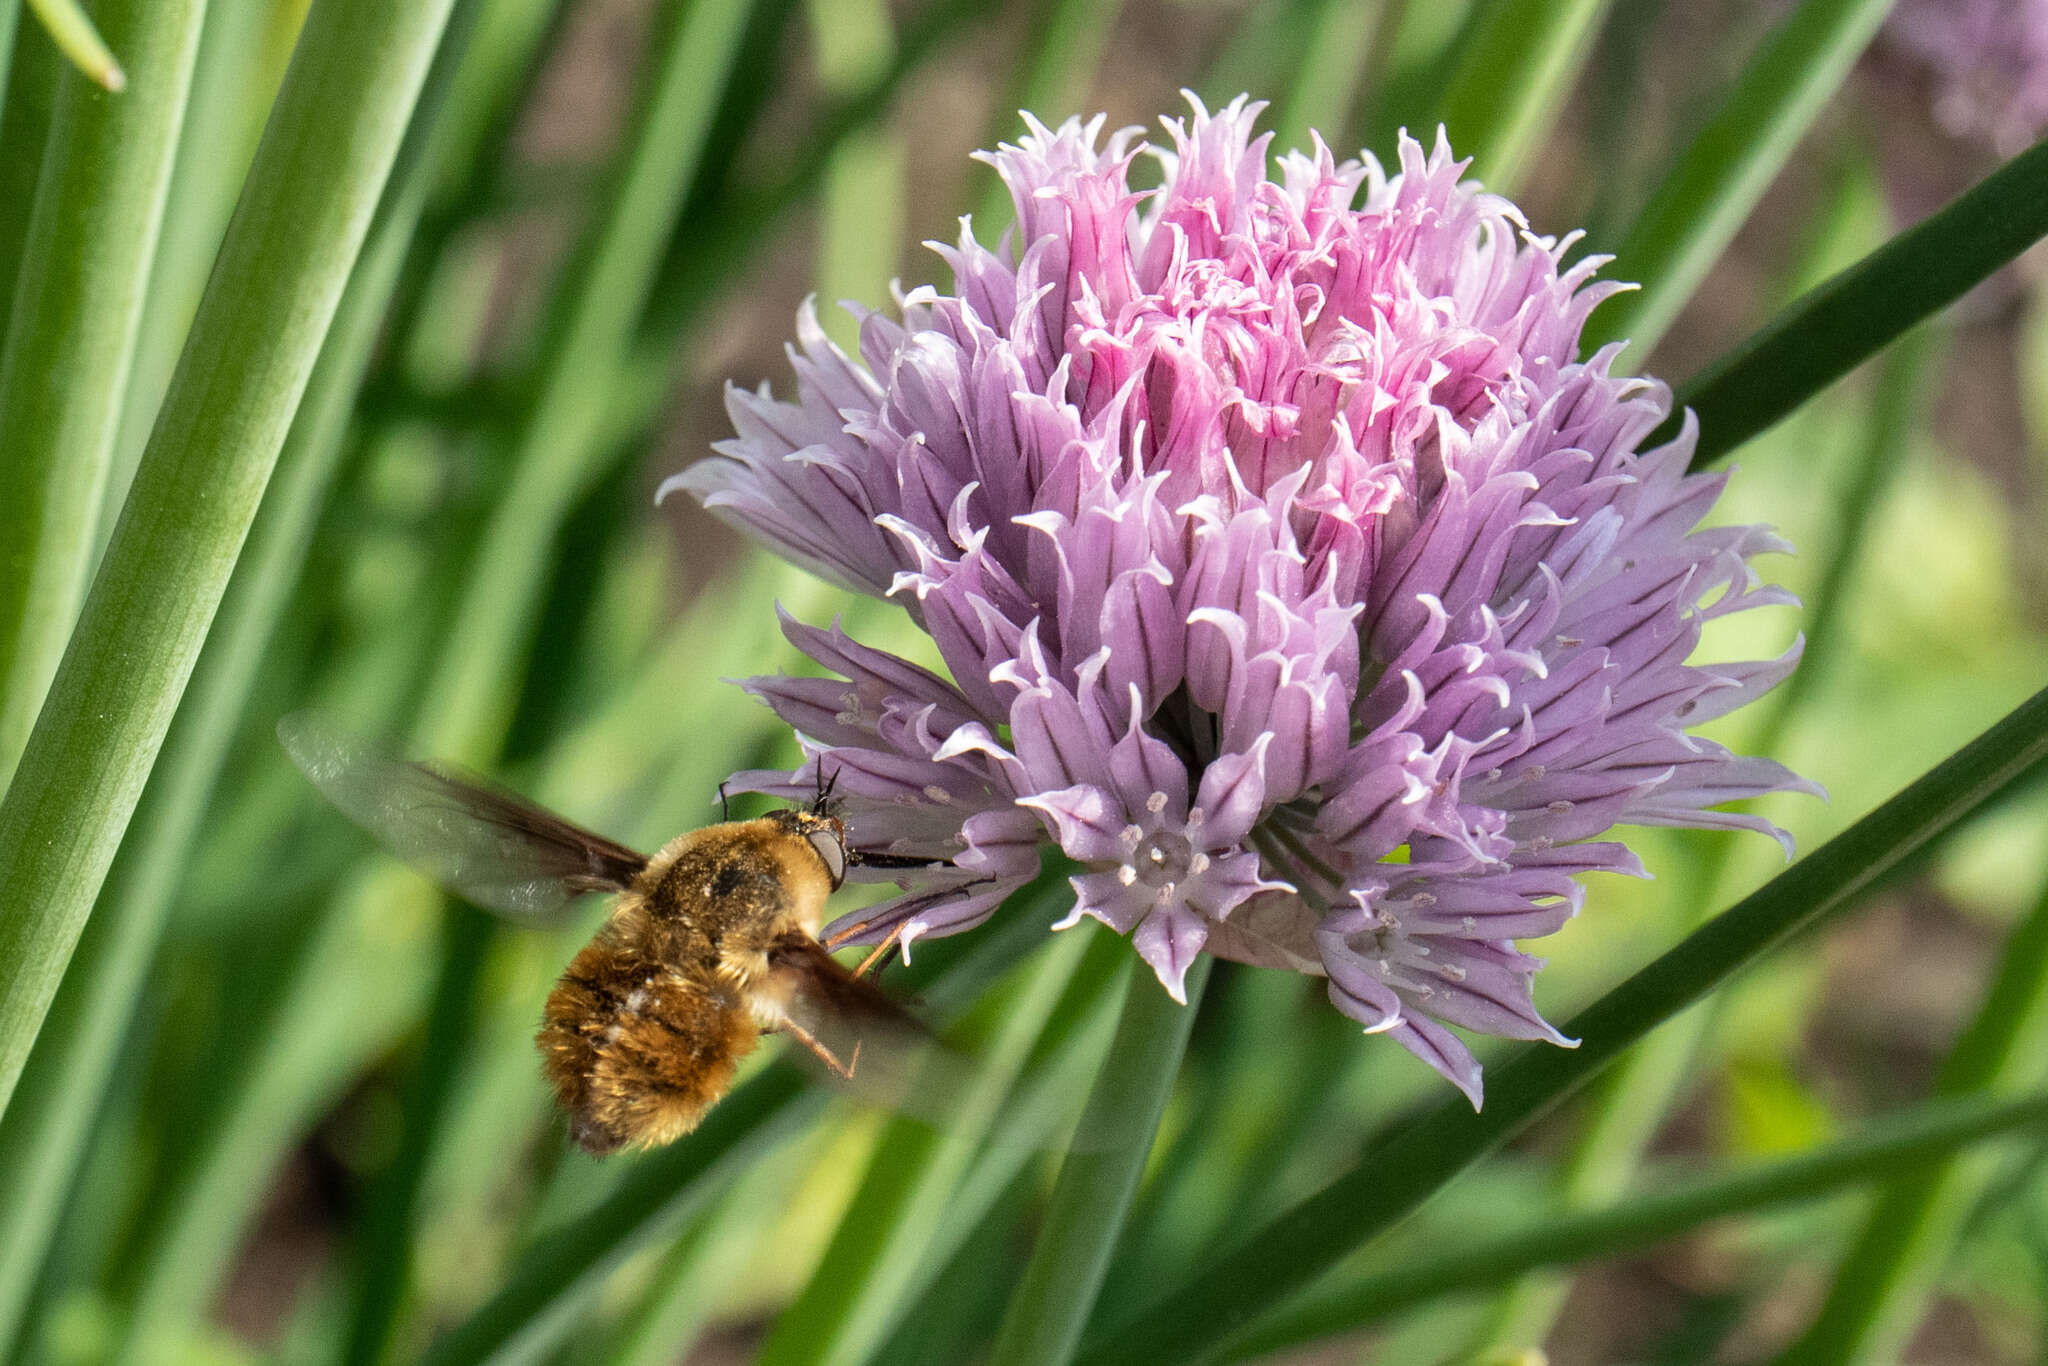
<point x="385" y="1260"/>
<point x="1840" y="324"/>
<point x="1239" y="1110"/>
<point x="288" y="255"/>
<point x="1398" y="1175"/>
<point x="1631" y="1102"/>
<point x="1089" y="1202"/>
<point x="304" y="1025"/>
<point x="10" y="25"/>
<point x="964" y="1301"/>
<point x="472" y="186"/>
<point x="699" y="262"/>
<point x="539" y="1302"/>
<point x="860" y="197"/>
<point x="712" y="1253"/>
<point x="30" y="87"/>
<point x="299" y="1051"/>
<point x="1067" y="1054"/>
<point x="234" y="81"/>
<point x="1882" y="1283"/>
<point x="557" y="452"/>
<point x="43" y="1134"/>
<point x="1515" y="68"/>
<point x="81" y="43"/>
<point x="1627" y="1107"/>
<point x="1905" y="379"/>
<point x="250" y="1098"/>
<point x="873" y="1264"/>
<point x="1337" y="63"/>
<point x="1905" y="1143"/>
<point x="1420" y="44"/>
<point x="1615" y="137"/>
<point x="1694" y="212"/>
<point x="71" y="337"/>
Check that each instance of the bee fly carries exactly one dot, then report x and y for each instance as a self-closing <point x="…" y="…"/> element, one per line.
<point x="712" y="941"/>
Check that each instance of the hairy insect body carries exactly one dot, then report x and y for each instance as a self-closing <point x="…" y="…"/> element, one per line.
<point x="712" y="942"/>
<point x="643" y="1031"/>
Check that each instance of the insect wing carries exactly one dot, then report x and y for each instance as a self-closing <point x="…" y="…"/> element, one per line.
<point x="483" y="843"/>
<point x="894" y="1061"/>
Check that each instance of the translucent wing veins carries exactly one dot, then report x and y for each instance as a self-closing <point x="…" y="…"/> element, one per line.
<point x="482" y="842"/>
<point x="893" y="1059"/>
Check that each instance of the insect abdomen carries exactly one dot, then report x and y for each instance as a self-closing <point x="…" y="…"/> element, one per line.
<point x="636" y="1051"/>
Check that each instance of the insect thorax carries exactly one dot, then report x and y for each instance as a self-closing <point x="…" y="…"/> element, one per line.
<point x="735" y="887"/>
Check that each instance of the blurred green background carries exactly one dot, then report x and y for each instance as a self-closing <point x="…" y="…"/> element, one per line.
<point x="286" y="1107"/>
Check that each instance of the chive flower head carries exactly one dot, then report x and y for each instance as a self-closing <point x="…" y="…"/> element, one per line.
<point x="1293" y="573"/>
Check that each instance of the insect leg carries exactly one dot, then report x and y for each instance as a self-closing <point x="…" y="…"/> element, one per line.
<point x="903" y="911"/>
<point x="842" y="1070"/>
<point x="852" y="931"/>
<point x="881" y="952"/>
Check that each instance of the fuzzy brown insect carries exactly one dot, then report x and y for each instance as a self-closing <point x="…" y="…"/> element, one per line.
<point x="712" y="942"/>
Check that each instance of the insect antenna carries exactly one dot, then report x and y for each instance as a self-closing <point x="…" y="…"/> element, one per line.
<point x="821" y="804"/>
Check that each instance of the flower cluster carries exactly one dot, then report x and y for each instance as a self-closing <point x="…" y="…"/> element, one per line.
<point x="1989" y="63"/>
<point x="1292" y="574"/>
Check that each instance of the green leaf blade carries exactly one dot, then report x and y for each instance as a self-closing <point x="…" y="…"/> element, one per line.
<point x="304" y="214"/>
<point x="43" y="1133"/>
<point x="71" y="337"/>
<point x="1517" y="67"/>
<point x="876" y="1257"/>
<point x="1695" y="212"/>
<point x="1840" y="324"/>
<point x="80" y="43"/>
<point x="1882" y="1283"/>
<point x="1093" y="1195"/>
<point x="1931" y="1132"/>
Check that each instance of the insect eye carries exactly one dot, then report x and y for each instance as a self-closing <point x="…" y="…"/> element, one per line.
<point x="831" y="848"/>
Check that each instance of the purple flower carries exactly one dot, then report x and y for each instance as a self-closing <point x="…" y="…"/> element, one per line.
<point x="1293" y="576"/>
<point x="1989" y="62"/>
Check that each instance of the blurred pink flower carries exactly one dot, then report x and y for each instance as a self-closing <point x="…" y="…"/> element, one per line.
<point x="1989" y="59"/>
<point x="1294" y="576"/>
